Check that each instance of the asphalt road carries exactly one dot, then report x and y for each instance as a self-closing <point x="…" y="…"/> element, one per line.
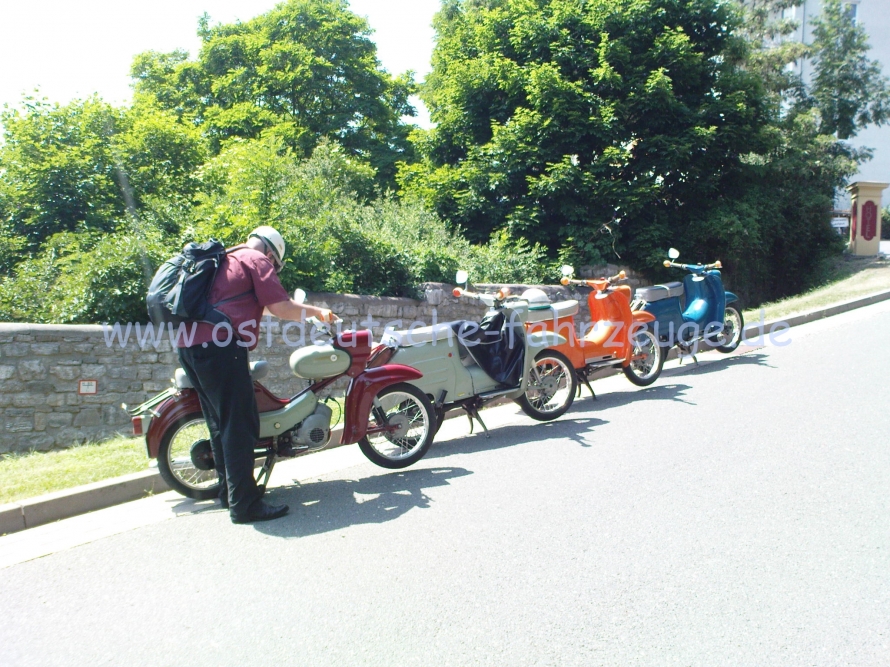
<point x="734" y="513"/>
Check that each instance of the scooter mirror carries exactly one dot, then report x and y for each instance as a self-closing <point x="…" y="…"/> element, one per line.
<point x="567" y="270"/>
<point x="461" y="277"/>
<point x="300" y="295"/>
<point x="673" y="253"/>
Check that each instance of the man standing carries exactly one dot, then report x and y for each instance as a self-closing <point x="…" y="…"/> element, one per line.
<point x="216" y="363"/>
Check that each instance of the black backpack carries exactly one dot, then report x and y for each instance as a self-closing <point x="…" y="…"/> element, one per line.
<point x="180" y="290"/>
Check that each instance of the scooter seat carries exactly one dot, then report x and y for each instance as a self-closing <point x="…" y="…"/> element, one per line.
<point x="659" y="292"/>
<point x="438" y="333"/>
<point x="258" y="370"/>
<point x="556" y="310"/>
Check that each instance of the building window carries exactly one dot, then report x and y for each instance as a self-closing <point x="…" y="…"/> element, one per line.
<point x="789" y="13"/>
<point x="851" y="9"/>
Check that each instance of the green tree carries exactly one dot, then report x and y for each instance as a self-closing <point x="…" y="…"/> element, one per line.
<point x="73" y="167"/>
<point x="304" y="71"/>
<point x="848" y="89"/>
<point x="556" y="119"/>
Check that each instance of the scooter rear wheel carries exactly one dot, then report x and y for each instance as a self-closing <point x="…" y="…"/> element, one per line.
<point x="552" y="385"/>
<point x="175" y="459"/>
<point x="407" y="407"/>
<point x="645" y="371"/>
<point x="733" y="326"/>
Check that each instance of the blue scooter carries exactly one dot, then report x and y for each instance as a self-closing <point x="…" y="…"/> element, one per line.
<point x="708" y="313"/>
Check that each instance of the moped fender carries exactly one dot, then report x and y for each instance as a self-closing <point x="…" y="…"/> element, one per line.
<point x="730" y="297"/>
<point x="361" y="395"/>
<point x="175" y="407"/>
<point x="643" y="316"/>
<point x="543" y="339"/>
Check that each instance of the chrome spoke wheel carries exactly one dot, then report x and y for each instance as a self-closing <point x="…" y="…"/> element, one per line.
<point x="179" y="457"/>
<point x="551" y="387"/>
<point x="646" y="359"/>
<point x="409" y="422"/>
<point x="733" y="327"/>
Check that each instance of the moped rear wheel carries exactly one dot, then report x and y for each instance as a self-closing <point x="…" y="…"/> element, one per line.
<point x="647" y="359"/>
<point x="176" y="462"/>
<point x="733" y="326"/>
<point x="552" y="385"/>
<point x="406" y="407"/>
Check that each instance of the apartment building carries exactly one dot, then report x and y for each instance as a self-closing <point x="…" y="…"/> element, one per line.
<point x="874" y="16"/>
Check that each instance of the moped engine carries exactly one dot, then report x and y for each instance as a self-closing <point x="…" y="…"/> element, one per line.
<point x="315" y="431"/>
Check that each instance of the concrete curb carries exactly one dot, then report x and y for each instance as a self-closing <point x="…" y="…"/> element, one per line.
<point x="37" y="511"/>
<point x="813" y="315"/>
<point x="79" y="500"/>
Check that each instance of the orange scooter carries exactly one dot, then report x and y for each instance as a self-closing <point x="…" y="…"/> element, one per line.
<point x="615" y="337"/>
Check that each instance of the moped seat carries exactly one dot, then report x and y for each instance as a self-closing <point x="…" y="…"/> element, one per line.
<point x="258" y="370"/>
<point x="438" y="333"/>
<point x="659" y="292"/>
<point x="556" y="310"/>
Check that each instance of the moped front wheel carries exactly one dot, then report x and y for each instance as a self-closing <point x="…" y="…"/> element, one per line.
<point x="407" y="423"/>
<point x="552" y="384"/>
<point x="733" y="326"/>
<point x="185" y="460"/>
<point x="647" y="359"/>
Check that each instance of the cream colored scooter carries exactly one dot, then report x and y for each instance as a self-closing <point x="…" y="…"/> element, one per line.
<point x="467" y="364"/>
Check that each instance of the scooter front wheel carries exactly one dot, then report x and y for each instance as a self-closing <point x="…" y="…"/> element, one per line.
<point x="413" y="422"/>
<point x="733" y="326"/>
<point x="182" y="455"/>
<point x="647" y="359"/>
<point x="551" y="387"/>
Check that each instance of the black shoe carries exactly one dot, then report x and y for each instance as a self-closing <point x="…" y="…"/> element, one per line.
<point x="260" y="511"/>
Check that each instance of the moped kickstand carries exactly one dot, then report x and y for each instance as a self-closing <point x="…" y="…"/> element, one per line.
<point x="686" y="352"/>
<point x="472" y="411"/>
<point x="583" y="378"/>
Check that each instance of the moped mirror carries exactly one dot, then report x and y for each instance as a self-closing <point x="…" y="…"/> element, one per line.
<point x="300" y="295"/>
<point x="461" y="277"/>
<point x="567" y="270"/>
<point x="673" y="253"/>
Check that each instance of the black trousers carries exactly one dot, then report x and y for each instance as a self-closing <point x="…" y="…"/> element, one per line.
<point x="221" y="376"/>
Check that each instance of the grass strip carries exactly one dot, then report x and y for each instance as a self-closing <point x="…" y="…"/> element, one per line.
<point x="35" y="473"/>
<point x="868" y="277"/>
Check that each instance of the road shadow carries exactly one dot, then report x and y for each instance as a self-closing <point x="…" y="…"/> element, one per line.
<point x="690" y="368"/>
<point x="659" y="392"/>
<point x="573" y="425"/>
<point x="325" y="506"/>
<point x="513" y="434"/>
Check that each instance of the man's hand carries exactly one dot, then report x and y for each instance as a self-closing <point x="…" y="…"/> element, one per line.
<point x="327" y="316"/>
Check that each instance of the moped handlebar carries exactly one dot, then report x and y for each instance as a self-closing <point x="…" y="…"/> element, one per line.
<point x="694" y="267"/>
<point x="488" y="299"/>
<point x="600" y="283"/>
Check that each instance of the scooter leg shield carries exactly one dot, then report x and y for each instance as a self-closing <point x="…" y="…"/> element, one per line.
<point x="361" y="395"/>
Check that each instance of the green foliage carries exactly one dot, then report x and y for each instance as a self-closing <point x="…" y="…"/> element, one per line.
<point x="848" y="89"/>
<point x="338" y="239"/>
<point x="885" y="223"/>
<point x="86" y="278"/>
<point x="304" y="71"/>
<point x="555" y="118"/>
<point x="610" y="131"/>
<point x="80" y="166"/>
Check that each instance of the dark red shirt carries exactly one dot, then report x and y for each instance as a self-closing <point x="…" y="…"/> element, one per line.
<point x="250" y="274"/>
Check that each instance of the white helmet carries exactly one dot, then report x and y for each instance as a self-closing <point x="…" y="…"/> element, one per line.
<point x="273" y="241"/>
<point x="537" y="298"/>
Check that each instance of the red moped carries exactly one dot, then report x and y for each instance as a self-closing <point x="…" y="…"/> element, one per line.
<point x="392" y="421"/>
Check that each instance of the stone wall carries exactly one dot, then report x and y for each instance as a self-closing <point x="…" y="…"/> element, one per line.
<point x="41" y="365"/>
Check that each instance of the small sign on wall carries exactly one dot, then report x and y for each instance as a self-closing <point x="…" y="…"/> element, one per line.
<point x="88" y="387"/>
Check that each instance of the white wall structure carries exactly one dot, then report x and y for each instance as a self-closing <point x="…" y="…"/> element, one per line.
<point x="874" y="16"/>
